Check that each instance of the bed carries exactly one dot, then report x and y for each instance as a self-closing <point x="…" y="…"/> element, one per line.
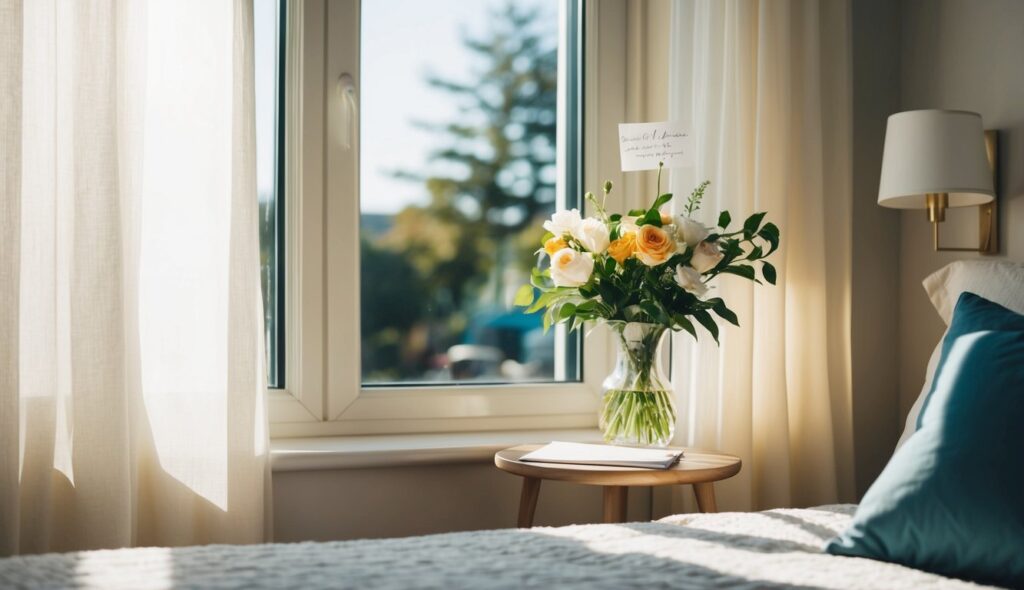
<point x="772" y="549"/>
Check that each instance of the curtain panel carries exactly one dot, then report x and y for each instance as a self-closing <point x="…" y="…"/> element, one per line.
<point x="765" y="88"/>
<point x="132" y="376"/>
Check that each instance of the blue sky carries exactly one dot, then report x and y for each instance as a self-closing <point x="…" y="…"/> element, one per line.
<point x="265" y="53"/>
<point x="402" y="40"/>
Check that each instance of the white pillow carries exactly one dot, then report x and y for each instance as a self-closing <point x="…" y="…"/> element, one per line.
<point x="999" y="281"/>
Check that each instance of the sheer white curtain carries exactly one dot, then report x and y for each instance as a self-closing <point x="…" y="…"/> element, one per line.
<point x="765" y="87"/>
<point x="131" y="348"/>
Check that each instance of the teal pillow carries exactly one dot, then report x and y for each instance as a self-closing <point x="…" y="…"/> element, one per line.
<point x="951" y="500"/>
<point x="973" y="314"/>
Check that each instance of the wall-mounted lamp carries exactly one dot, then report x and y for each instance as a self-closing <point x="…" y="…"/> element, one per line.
<point x="935" y="159"/>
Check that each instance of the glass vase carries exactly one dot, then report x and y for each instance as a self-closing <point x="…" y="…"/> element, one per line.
<point x="638" y="408"/>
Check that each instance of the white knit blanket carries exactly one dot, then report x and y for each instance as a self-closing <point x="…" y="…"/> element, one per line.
<point x="777" y="548"/>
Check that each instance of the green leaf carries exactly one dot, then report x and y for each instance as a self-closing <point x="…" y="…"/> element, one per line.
<point x="542" y="301"/>
<point x="615" y="216"/>
<point x="770" y="233"/>
<point x="538" y="280"/>
<point x="751" y="225"/>
<point x="724" y="219"/>
<point x="566" y="311"/>
<point x="724" y="312"/>
<point x="652" y="217"/>
<point x="637" y="212"/>
<point x="744" y="270"/>
<point x="732" y="248"/>
<point x="769" y="272"/>
<point x="655" y="311"/>
<point x="685" y="324"/>
<point x="755" y="253"/>
<point x="707" y="321"/>
<point x="769" y="229"/>
<point x="661" y="200"/>
<point x="608" y="292"/>
<point x="524" y="296"/>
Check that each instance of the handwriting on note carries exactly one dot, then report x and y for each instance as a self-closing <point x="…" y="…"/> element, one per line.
<point x="643" y="145"/>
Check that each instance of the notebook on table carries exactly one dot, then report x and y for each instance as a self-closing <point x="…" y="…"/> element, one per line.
<point x="610" y="455"/>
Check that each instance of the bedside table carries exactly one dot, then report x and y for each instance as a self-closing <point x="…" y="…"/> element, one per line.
<point x="697" y="468"/>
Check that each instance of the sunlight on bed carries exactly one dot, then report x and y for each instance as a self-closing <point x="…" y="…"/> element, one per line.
<point x="774" y="547"/>
<point x="144" y="569"/>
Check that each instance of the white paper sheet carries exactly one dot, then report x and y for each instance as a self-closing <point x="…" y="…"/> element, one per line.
<point x="643" y="145"/>
<point x="614" y="456"/>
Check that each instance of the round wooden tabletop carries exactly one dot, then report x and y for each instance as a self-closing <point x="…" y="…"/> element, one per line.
<point x="695" y="466"/>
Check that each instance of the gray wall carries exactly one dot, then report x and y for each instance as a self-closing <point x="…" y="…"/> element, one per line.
<point x="914" y="54"/>
<point x="875" y="268"/>
<point x="959" y="54"/>
<point x="401" y="501"/>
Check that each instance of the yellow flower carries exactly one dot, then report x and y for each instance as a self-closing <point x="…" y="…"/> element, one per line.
<point x="623" y="248"/>
<point x="654" y="246"/>
<point x="554" y="245"/>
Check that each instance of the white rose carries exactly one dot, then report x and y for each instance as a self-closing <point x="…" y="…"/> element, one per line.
<point x="689" y="279"/>
<point x="570" y="268"/>
<point x="592" y="234"/>
<point x="706" y="256"/>
<point x="563" y="222"/>
<point x="690" y="231"/>
<point x="627" y="225"/>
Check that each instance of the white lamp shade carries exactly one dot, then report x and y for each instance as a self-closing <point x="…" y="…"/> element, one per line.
<point x="935" y="151"/>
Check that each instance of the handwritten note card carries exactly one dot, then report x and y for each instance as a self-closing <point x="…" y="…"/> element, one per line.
<point x="643" y="145"/>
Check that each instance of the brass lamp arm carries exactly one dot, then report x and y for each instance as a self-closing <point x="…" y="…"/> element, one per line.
<point x="937" y="204"/>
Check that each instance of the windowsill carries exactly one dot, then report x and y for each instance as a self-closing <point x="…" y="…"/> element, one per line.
<point x="357" y="452"/>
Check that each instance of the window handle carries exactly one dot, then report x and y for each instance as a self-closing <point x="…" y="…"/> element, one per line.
<point x="346" y="97"/>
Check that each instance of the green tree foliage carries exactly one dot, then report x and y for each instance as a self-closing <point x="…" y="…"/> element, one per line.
<point x="490" y="182"/>
<point x="500" y="151"/>
<point x="389" y="308"/>
<point x="449" y="254"/>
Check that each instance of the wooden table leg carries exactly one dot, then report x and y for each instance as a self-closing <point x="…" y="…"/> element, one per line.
<point x="705" y="493"/>
<point x="528" y="501"/>
<point x="615" y="503"/>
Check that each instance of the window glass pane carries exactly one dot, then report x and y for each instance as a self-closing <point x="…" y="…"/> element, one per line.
<point x="459" y="119"/>
<point x="267" y="77"/>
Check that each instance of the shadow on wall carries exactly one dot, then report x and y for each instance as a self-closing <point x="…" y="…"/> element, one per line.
<point x="1011" y="187"/>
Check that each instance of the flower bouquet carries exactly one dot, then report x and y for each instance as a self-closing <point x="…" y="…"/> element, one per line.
<point x="643" y="273"/>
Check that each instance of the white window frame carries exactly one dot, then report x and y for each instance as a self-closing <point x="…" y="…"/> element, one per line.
<point x="323" y="393"/>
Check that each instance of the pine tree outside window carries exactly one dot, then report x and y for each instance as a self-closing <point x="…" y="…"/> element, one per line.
<point x="449" y="213"/>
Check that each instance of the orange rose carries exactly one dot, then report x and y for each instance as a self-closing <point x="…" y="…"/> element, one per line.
<point x="554" y="245"/>
<point x="654" y="246"/>
<point x="623" y="248"/>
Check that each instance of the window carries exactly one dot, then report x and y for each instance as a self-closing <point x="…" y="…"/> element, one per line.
<point x="269" y="83"/>
<point x="409" y="153"/>
<point x="458" y="167"/>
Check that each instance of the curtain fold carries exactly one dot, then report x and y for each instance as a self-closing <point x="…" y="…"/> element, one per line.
<point x="765" y="87"/>
<point x="132" y="388"/>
